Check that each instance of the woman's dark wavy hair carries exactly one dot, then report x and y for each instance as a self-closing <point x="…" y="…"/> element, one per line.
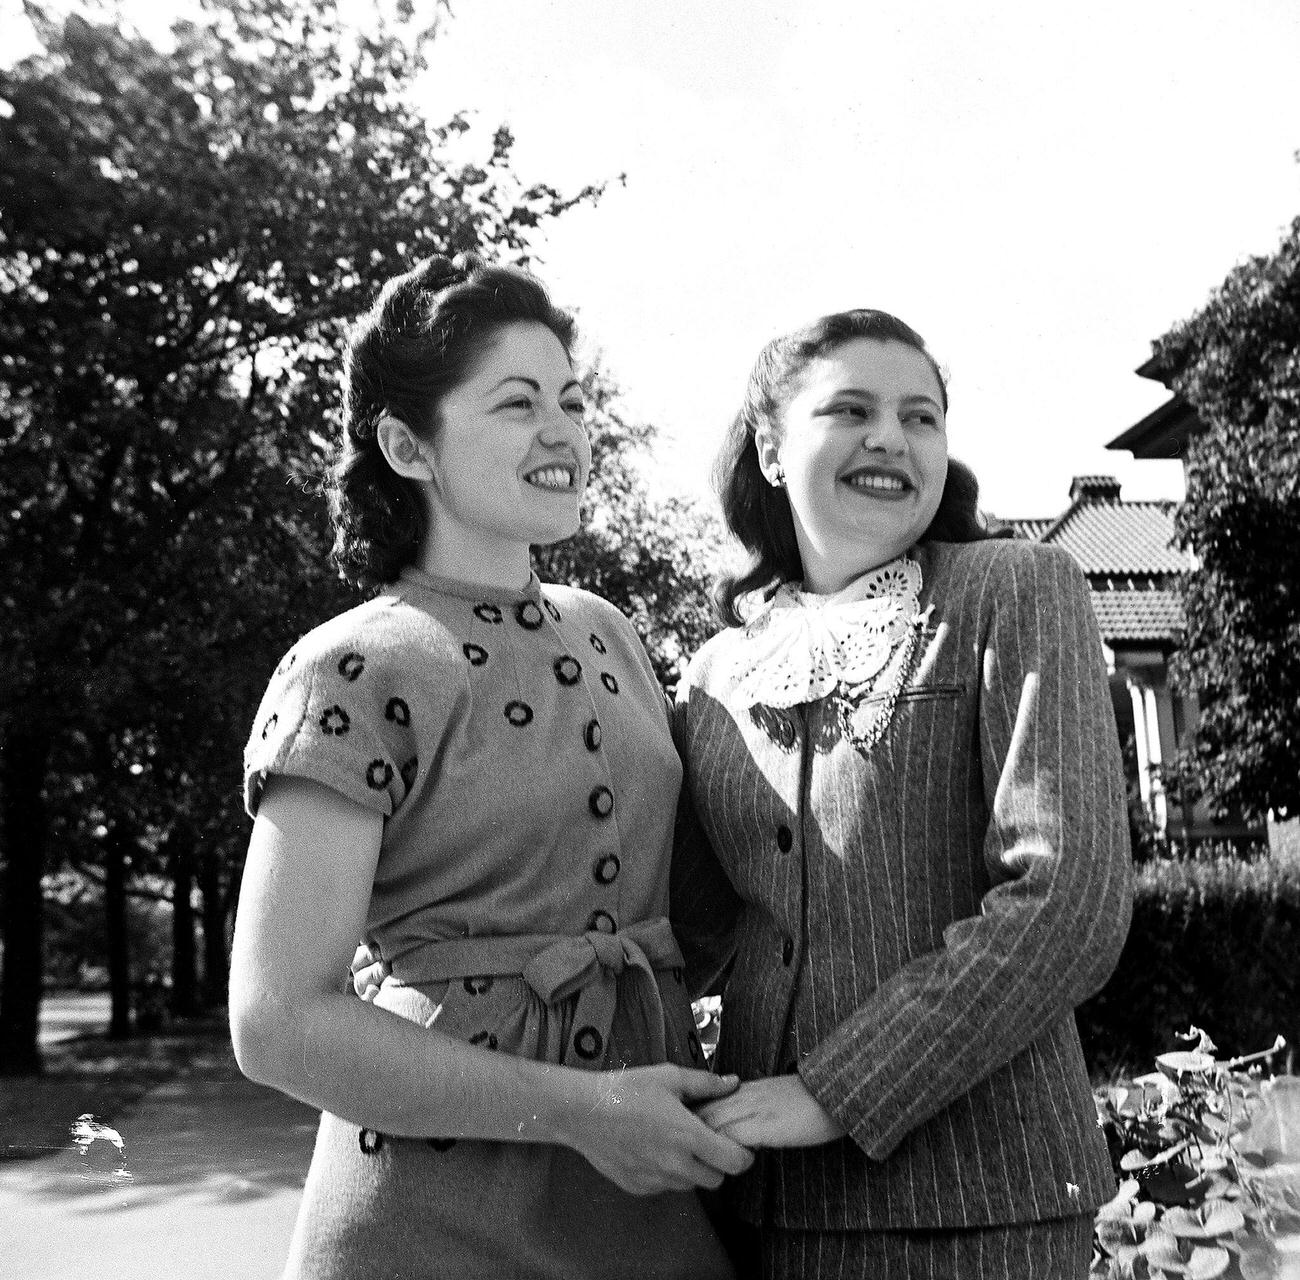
<point x="415" y="344"/>
<point x="758" y="513"/>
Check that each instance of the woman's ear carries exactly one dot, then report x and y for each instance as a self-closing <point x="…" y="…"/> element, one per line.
<point x="401" y="450"/>
<point x="769" y="458"/>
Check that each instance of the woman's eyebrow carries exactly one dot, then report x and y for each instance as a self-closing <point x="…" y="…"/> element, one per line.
<point x="859" y="393"/>
<point x="515" y="377"/>
<point x="533" y="383"/>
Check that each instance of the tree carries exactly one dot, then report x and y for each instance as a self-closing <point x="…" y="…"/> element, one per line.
<point x="653" y="558"/>
<point x="182" y="237"/>
<point x="1237" y="363"/>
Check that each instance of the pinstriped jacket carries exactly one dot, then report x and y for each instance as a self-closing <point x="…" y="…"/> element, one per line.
<point x="913" y="927"/>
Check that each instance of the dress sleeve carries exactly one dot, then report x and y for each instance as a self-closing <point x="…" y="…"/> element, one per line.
<point x="1050" y="930"/>
<point x="336" y="715"/>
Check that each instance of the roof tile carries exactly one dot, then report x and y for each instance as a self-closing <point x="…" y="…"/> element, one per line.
<point x="1120" y="537"/>
<point x="1139" y="615"/>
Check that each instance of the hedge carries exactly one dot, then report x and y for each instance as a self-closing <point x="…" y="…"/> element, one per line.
<point x="1215" y="942"/>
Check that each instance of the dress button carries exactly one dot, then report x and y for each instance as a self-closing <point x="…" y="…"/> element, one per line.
<point x="589" y="1043"/>
<point x="528" y="615"/>
<point x="601" y="922"/>
<point x="784" y="838"/>
<point x="606" y="869"/>
<point x="787" y="951"/>
<point x="601" y="802"/>
<point x="591" y="735"/>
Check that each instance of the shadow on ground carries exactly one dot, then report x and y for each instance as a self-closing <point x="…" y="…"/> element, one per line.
<point x="161" y="1118"/>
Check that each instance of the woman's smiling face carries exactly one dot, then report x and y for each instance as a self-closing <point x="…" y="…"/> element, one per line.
<point x="863" y="444"/>
<point x="510" y="459"/>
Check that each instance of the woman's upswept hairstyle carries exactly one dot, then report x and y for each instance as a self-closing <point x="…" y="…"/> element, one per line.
<point x="758" y="513"/>
<point x="415" y="344"/>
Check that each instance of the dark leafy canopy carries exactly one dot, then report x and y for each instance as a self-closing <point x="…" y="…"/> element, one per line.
<point x="183" y="236"/>
<point x="1237" y="362"/>
<point x="653" y="557"/>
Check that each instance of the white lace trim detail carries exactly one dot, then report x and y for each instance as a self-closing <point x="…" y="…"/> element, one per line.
<point x="803" y="647"/>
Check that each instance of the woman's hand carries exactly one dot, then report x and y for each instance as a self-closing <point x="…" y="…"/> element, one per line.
<point x="368" y="972"/>
<point x="777" y="1111"/>
<point x="640" y="1130"/>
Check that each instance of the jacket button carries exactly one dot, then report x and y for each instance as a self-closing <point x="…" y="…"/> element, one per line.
<point x="601" y="802"/>
<point x="784" y="838"/>
<point x="787" y="951"/>
<point x="785" y="732"/>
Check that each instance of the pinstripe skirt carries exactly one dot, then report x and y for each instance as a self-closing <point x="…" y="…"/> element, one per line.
<point x="1060" y="1249"/>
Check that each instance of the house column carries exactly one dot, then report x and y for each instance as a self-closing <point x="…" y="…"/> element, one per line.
<point x="1146" y="736"/>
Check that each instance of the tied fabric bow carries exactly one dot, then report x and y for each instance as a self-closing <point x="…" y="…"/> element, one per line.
<point x="805" y="647"/>
<point x="554" y="967"/>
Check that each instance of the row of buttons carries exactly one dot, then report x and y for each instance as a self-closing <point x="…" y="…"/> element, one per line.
<point x="568" y="671"/>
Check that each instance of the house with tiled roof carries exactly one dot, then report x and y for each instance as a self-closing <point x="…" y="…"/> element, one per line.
<point x="1166" y="432"/>
<point x="1167" y="429"/>
<point x="1128" y="554"/>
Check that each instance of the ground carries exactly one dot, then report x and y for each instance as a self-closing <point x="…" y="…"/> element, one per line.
<point x="206" y="1180"/>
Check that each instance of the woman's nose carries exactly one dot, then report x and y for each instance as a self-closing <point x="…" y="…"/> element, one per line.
<point x="560" y="427"/>
<point x="885" y="432"/>
<point x="562" y="431"/>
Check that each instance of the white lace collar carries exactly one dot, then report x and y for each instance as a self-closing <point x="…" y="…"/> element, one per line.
<point x="802" y="647"/>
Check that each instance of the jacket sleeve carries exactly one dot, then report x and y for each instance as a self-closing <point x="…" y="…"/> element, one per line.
<point x="703" y="906"/>
<point x="1049" y="931"/>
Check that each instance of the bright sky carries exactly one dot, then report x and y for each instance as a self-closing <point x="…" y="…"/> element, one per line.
<point x="1039" y="189"/>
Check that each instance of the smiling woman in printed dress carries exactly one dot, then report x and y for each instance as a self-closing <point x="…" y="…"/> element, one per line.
<point x="475" y="774"/>
<point x="915" y="852"/>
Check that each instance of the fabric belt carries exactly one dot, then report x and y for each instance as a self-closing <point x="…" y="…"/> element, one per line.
<point x="557" y="966"/>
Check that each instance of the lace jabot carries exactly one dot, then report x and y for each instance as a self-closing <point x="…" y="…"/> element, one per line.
<point x="854" y="644"/>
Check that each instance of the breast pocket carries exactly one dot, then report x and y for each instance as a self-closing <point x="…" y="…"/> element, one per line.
<point x="932" y="692"/>
<point x="892" y="716"/>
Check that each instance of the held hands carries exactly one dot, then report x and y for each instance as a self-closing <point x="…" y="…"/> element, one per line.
<point x="774" y="1112"/>
<point x="368" y="972"/>
<point x="643" y="1135"/>
<point x="638" y="1127"/>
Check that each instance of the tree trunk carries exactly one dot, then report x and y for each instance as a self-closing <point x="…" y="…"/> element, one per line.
<point x="24" y="756"/>
<point x="216" y="963"/>
<point x="116" y="847"/>
<point x="185" y="993"/>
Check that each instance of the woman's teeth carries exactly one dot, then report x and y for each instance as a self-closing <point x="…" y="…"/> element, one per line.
<point x="885" y="484"/>
<point x="551" y="478"/>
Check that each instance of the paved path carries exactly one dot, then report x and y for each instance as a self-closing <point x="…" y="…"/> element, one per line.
<point x="66" y="1014"/>
<point x="206" y="1189"/>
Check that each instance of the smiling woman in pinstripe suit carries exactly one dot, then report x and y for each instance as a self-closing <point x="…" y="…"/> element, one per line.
<point x="912" y="845"/>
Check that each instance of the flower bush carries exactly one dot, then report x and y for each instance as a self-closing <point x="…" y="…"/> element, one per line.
<point x="1208" y="1157"/>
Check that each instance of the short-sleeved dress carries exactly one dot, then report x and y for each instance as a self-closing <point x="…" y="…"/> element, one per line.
<point x="518" y="746"/>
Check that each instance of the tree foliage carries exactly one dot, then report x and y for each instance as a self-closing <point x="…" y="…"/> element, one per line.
<point x="183" y="236"/>
<point x="653" y="557"/>
<point x="1237" y="362"/>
